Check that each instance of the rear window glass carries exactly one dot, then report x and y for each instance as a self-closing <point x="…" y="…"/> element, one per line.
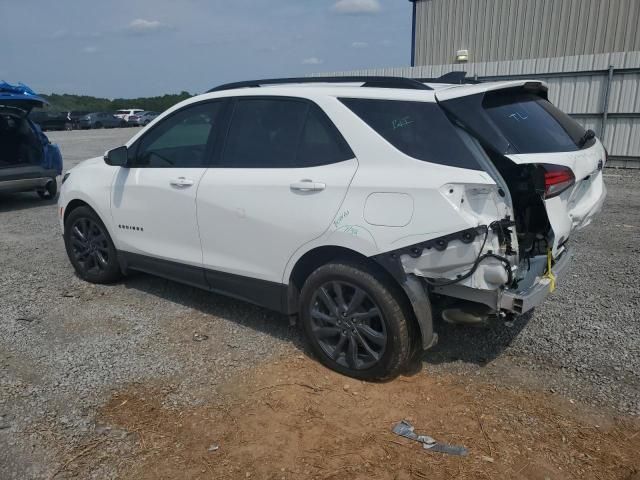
<point x="532" y="124"/>
<point x="418" y="129"/>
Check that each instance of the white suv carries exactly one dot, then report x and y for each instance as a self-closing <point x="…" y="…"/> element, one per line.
<point x="360" y="205"/>
<point x="127" y="112"/>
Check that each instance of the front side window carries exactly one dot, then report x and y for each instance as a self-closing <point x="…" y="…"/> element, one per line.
<point x="418" y="129"/>
<point x="281" y="133"/>
<point x="181" y="140"/>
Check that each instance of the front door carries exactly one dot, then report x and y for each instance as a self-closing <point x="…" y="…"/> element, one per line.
<point x="154" y="200"/>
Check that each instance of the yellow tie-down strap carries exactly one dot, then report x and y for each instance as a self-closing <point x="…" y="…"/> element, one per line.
<point x="549" y="274"/>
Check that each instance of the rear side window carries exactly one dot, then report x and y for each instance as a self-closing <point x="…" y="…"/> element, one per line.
<point x="321" y="143"/>
<point x="281" y="133"/>
<point x="531" y="124"/>
<point x="418" y="129"/>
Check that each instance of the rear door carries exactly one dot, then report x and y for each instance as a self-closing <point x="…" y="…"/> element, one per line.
<point x="517" y="121"/>
<point x="280" y="180"/>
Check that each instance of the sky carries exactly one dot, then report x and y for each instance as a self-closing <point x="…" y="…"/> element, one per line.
<point x="131" y="48"/>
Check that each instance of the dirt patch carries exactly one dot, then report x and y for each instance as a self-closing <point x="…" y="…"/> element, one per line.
<point x="294" y="419"/>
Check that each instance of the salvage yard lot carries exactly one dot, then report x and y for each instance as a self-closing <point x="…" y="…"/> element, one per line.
<point x="145" y="378"/>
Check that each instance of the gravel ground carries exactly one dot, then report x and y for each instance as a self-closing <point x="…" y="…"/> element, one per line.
<point x="65" y="344"/>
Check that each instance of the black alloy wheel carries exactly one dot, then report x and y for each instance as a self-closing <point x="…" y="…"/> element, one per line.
<point x="348" y="325"/>
<point x="89" y="247"/>
<point x="356" y="320"/>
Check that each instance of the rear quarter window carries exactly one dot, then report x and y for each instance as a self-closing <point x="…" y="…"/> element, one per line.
<point x="418" y="129"/>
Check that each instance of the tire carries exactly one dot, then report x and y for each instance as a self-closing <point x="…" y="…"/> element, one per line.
<point x="336" y="327"/>
<point x="97" y="125"/>
<point x="90" y="248"/>
<point x="50" y="191"/>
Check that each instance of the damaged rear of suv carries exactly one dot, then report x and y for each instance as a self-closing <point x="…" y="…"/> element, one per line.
<point x="526" y="177"/>
<point x="548" y="171"/>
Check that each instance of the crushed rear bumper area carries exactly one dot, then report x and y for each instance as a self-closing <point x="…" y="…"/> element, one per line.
<point x="521" y="301"/>
<point x="517" y="301"/>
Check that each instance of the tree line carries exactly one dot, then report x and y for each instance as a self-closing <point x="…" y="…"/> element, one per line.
<point x="84" y="103"/>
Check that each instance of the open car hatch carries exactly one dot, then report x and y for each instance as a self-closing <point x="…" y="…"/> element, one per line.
<point x="19" y="97"/>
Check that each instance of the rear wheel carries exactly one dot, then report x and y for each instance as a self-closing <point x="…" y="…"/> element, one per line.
<point x="354" y="322"/>
<point x="90" y="248"/>
<point x="50" y="190"/>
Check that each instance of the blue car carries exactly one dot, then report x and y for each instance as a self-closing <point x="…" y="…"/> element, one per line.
<point x="28" y="160"/>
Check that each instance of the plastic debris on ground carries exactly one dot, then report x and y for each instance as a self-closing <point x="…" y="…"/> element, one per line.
<point x="406" y="430"/>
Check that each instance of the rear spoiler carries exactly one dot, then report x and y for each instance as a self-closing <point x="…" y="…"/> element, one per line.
<point x="534" y="86"/>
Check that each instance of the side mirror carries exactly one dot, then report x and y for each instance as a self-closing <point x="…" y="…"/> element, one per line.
<point x="117" y="157"/>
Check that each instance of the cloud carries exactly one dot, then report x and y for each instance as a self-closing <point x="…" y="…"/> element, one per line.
<point x="312" y="61"/>
<point x="90" y="49"/>
<point x="359" y="45"/>
<point x="141" y="26"/>
<point x="356" y="7"/>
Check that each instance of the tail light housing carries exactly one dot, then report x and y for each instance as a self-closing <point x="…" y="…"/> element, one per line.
<point x="557" y="179"/>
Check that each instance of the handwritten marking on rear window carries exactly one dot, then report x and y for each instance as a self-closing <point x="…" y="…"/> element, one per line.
<point x="401" y="122"/>
<point x="517" y="116"/>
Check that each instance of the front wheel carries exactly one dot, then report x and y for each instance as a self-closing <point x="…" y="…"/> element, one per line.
<point x="355" y="322"/>
<point x="90" y="248"/>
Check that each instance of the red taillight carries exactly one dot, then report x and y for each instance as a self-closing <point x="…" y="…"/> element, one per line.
<point x="557" y="179"/>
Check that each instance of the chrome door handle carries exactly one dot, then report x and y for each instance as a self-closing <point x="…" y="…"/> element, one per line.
<point x="307" y="185"/>
<point x="181" y="182"/>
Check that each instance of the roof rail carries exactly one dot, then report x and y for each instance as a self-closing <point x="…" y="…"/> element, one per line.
<point x="451" y="77"/>
<point x="367" y="81"/>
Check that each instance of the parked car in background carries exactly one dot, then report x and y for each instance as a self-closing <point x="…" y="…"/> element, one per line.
<point x="127" y="112"/>
<point x="75" y="116"/>
<point x="142" y="118"/>
<point x="50" y="120"/>
<point x="28" y="161"/>
<point x="133" y="120"/>
<point x="101" y="120"/>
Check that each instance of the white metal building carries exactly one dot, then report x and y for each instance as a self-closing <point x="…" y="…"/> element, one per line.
<point x="588" y="51"/>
